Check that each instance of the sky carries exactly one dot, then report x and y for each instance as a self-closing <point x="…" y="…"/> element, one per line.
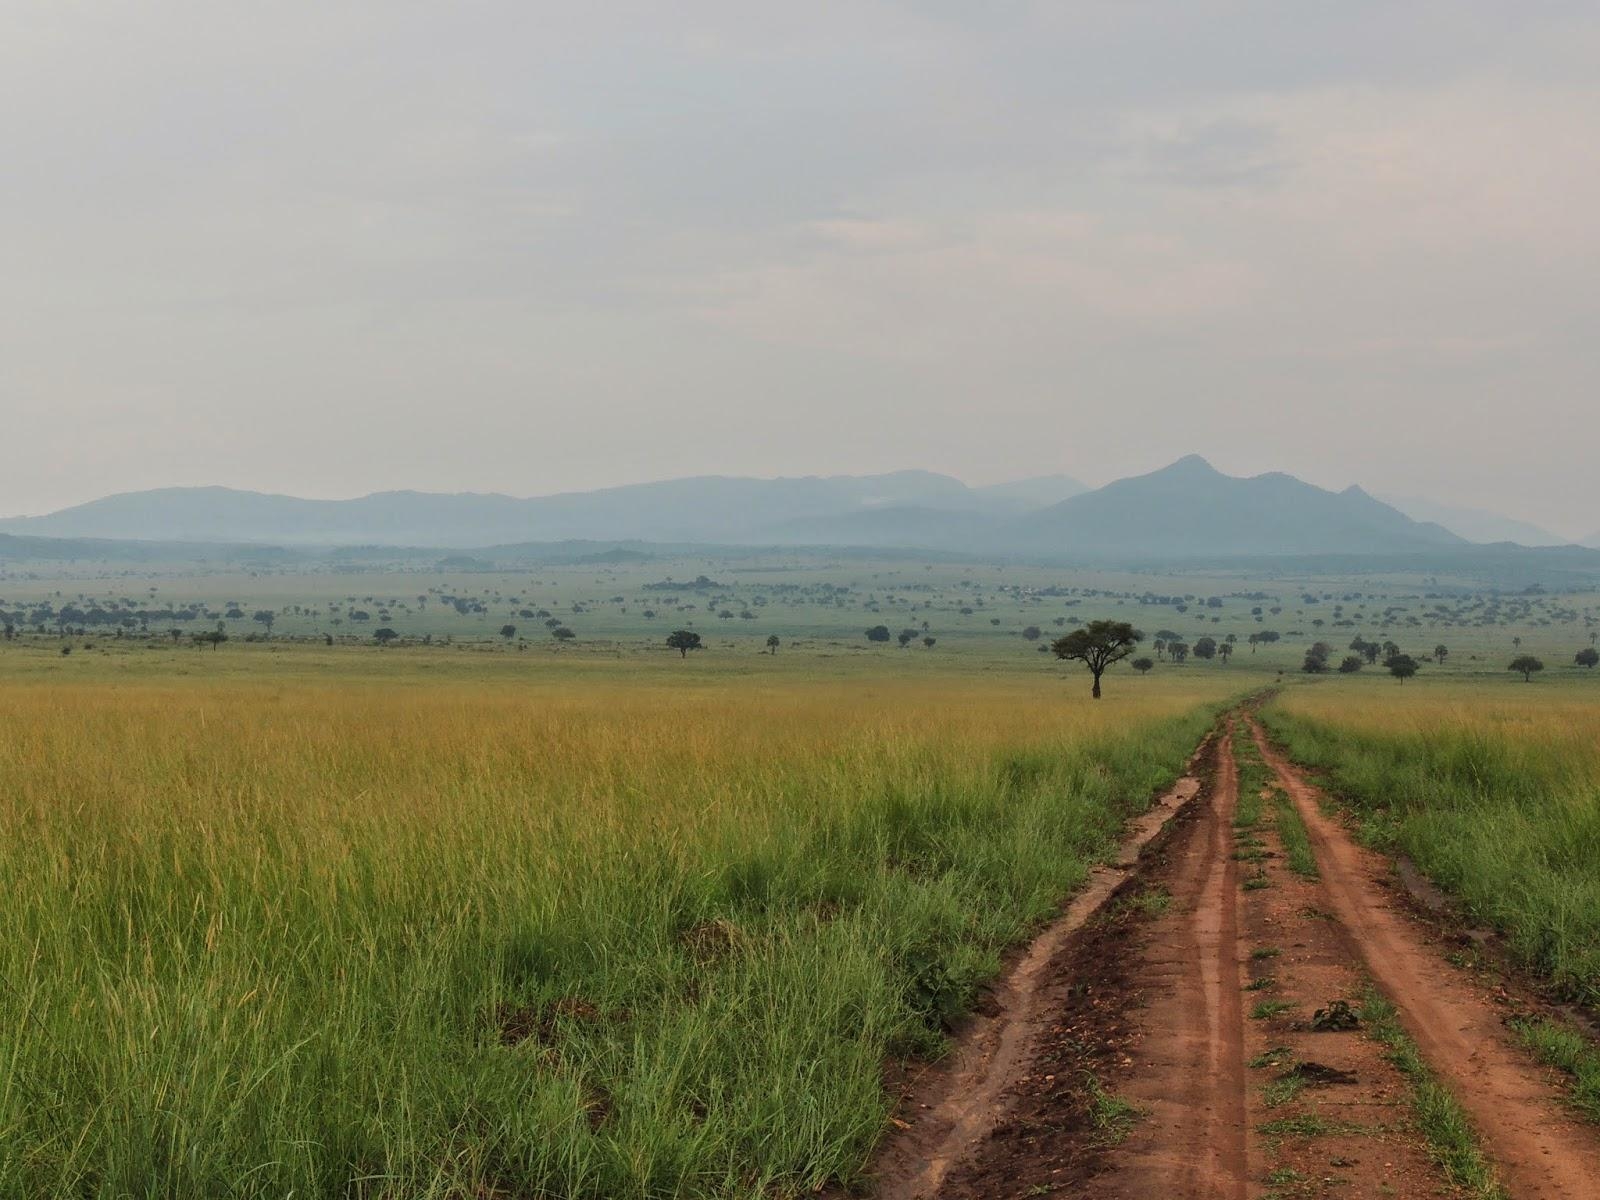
<point x="338" y="247"/>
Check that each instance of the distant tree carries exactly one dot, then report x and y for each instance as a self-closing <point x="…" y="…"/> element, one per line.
<point x="327" y="639"/>
<point x="212" y="637"/>
<point x="562" y="634"/>
<point x="1316" y="660"/>
<point x="264" y="616"/>
<point x="1143" y="665"/>
<point x="1159" y="646"/>
<point x="1225" y="651"/>
<point x="1351" y="664"/>
<point x="1098" y="645"/>
<point x="1517" y="642"/>
<point x="508" y="632"/>
<point x="1401" y="666"/>
<point x="1031" y="633"/>
<point x="1587" y="657"/>
<point x="930" y="642"/>
<point x="1440" y="653"/>
<point x="879" y="633"/>
<point x="906" y="637"/>
<point x="683" y="641"/>
<point x="384" y="636"/>
<point x="773" y="642"/>
<point x="1205" y="648"/>
<point x="1527" y="664"/>
<point x="1178" y="651"/>
<point x="1390" y="650"/>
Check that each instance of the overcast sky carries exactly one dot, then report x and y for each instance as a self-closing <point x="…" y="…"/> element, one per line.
<point x="332" y="248"/>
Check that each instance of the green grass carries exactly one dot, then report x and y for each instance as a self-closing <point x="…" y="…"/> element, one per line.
<point x="1282" y="1090"/>
<point x="1292" y="835"/>
<point x="1498" y="803"/>
<point x="1267" y="1009"/>
<point x="1112" y="1116"/>
<point x="1440" y="1117"/>
<point x="637" y="935"/>
<point x="1569" y="1051"/>
<point x="1306" y="1125"/>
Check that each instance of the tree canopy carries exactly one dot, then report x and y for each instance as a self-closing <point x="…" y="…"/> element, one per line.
<point x="683" y="641"/>
<point x="1097" y="645"/>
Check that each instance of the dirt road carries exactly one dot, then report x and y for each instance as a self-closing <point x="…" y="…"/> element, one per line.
<point x="1171" y="1037"/>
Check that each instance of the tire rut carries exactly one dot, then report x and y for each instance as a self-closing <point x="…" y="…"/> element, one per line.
<point x="1540" y="1149"/>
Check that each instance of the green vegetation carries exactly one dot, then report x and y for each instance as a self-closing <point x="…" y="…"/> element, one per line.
<point x="1293" y="837"/>
<point x="1440" y="1116"/>
<point x="1112" y="1116"/>
<point x="372" y="923"/>
<point x="1568" y="1051"/>
<point x="1494" y="801"/>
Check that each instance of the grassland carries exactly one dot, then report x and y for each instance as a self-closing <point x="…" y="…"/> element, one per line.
<point x="1493" y="791"/>
<point x="286" y="920"/>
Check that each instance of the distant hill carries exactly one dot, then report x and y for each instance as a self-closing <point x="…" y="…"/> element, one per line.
<point x="700" y="509"/>
<point x="1191" y="510"/>
<point x="44" y="549"/>
<point x="1475" y="524"/>
<point x="1185" y="512"/>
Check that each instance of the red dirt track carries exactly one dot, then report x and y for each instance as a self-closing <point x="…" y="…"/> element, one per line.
<point x="1183" y="984"/>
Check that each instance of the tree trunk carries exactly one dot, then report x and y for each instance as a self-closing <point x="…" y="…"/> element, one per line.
<point x="1097" y="685"/>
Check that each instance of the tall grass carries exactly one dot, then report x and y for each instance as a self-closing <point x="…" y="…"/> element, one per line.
<point x="608" y="941"/>
<point x="1497" y="799"/>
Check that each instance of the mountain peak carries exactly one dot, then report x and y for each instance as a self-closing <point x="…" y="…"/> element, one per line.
<point x="1192" y="465"/>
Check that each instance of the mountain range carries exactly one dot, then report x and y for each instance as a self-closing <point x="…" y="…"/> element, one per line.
<point x="1185" y="511"/>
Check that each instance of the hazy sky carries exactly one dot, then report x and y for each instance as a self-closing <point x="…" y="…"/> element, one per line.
<point x="337" y="247"/>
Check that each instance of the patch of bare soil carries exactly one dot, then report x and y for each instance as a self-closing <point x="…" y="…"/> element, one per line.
<point x="1033" y="1031"/>
<point x="1540" y="1149"/>
<point x="1327" y="1109"/>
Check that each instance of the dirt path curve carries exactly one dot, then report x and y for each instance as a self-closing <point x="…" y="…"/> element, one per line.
<point x="960" y="1100"/>
<point x="1541" y="1151"/>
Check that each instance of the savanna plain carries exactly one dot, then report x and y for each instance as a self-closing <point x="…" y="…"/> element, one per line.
<point x="471" y="914"/>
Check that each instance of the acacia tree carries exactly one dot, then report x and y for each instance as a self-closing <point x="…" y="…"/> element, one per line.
<point x="683" y="641"/>
<point x="1527" y="664"/>
<point x="1402" y="666"/>
<point x="1143" y="665"/>
<point x="1587" y="657"/>
<point x="1097" y="645"/>
<point x="772" y="643"/>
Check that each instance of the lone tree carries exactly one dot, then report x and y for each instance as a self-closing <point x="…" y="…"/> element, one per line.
<point x="508" y="632"/>
<point x="265" y="616"/>
<point x="384" y="636"/>
<point x="683" y="641"/>
<point x="772" y="643"/>
<point x="879" y="633"/>
<point x="1527" y="664"/>
<point x="1588" y="657"/>
<point x="1205" y="648"/>
<point x="1143" y="665"/>
<point x="562" y="634"/>
<point x="1097" y="645"/>
<point x="1402" y="666"/>
<point x="1440" y="653"/>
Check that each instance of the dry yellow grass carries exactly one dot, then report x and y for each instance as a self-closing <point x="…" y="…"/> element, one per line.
<point x="610" y="934"/>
